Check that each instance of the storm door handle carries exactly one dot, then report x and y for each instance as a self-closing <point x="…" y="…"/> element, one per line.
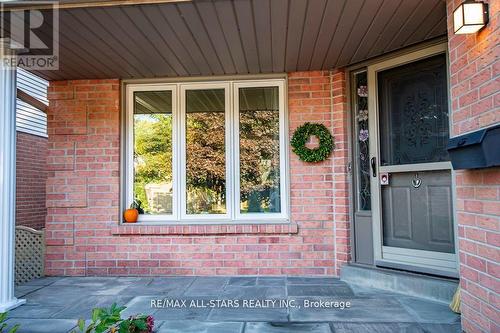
<point x="373" y="163"/>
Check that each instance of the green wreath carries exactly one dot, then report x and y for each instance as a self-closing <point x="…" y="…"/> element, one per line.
<point x="302" y="134"/>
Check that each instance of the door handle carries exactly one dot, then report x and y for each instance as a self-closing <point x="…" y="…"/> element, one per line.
<point x="416" y="182"/>
<point x="373" y="163"/>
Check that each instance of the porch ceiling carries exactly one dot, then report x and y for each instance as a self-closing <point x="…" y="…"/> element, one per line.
<point x="217" y="37"/>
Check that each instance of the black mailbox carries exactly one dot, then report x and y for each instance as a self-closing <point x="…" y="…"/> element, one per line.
<point x="479" y="149"/>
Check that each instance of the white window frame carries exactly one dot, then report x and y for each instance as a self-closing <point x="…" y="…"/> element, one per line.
<point x="129" y="156"/>
<point x="179" y="195"/>
<point x="227" y="146"/>
<point x="283" y="151"/>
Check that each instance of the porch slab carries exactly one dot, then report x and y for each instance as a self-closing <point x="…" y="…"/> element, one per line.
<point x="239" y="314"/>
<point x="428" y="312"/>
<point x="24" y="290"/>
<point x="319" y="290"/>
<point x="192" y="326"/>
<point x="287" y="328"/>
<point x="392" y="327"/>
<point x="42" y="325"/>
<point x="271" y="281"/>
<point x="209" y="286"/>
<point x="81" y="308"/>
<point x="54" y="305"/>
<point x="362" y="309"/>
<point x="244" y="281"/>
<point x="432" y="288"/>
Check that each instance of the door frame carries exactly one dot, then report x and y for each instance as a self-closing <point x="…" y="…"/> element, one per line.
<point x="422" y="261"/>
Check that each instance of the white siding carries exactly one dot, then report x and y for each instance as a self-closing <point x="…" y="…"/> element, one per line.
<point x="28" y="118"/>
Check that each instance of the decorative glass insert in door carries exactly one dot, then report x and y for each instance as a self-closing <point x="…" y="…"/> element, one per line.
<point x="413" y="106"/>
<point x="362" y="140"/>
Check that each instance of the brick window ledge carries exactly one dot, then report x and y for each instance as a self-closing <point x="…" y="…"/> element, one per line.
<point x="222" y="229"/>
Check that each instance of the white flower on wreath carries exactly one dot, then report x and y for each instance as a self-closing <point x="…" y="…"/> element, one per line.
<point x="363" y="115"/>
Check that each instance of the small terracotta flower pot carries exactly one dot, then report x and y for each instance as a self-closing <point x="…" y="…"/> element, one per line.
<point x="131" y="215"/>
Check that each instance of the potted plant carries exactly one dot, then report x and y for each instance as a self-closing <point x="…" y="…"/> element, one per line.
<point x="3" y="324"/>
<point x="109" y="321"/>
<point x="135" y="324"/>
<point x="132" y="214"/>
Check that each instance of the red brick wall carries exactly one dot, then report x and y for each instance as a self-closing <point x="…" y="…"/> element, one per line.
<point x="475" y="97"/>
<point x="83" y="235"/>
<point x="319" y="192"/>
<point x="31" y="175"/>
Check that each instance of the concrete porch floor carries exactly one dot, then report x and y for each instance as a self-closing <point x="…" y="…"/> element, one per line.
<point x="54" y="305"/>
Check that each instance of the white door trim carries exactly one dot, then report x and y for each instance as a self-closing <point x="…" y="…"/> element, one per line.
<point x="441" y="263"/>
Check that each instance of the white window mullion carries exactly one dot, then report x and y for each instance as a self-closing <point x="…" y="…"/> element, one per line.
<point x="236" y="136"/>
<point x="229" y="150"/>
<point x="227" y="153"/>
<point x="182" y="152"/>
<point x="284" y="162"/>
<point x="176" y="152"/>
<point x="129" y="160"/>
<point x="234" y="161"/>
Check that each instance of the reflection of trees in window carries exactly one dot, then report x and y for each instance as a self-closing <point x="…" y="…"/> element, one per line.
<point x="205" y="151"/>
<point x="259" y="150"/>
<point x="206" y="163"/>
<point x="259" y="161"/>
<point x="153" y="162"/>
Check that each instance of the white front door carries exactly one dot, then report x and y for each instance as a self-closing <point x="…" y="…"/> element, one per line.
<point x="411" y="176"/>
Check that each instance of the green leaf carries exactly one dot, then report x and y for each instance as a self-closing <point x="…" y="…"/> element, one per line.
<point x="3" y="316"/>
<point x="90" y="328"/>
<point x="14" y="329"/>
<point x="96" y="313"/>
<point x="140" y="324"/>
<point x="101" y="328"/>
<point x="81" y="324"/>
<point x="124" y="326"/>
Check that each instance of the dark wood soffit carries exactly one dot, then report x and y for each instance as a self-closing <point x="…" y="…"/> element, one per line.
<point x="231" y="37"/>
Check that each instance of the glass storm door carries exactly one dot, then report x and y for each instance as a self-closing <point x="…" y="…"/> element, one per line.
<point x="411" y="179"/>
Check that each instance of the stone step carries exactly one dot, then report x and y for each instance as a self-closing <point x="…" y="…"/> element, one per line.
<point x="418" y="285"/>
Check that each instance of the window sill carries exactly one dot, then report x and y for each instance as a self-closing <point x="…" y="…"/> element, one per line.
<point x="205" y="229"/>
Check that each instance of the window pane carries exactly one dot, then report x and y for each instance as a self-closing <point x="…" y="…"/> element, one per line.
<point x="205" y="151"/>
<point x="153" y="151"/>
<point x="259" y="150"/>
<point x="362" y="141"/>
<point x="413" y="105"/>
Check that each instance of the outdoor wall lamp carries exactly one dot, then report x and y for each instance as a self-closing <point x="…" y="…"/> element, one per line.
<point x="470" y="17"/>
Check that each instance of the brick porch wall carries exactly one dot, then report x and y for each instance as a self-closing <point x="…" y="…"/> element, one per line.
<point x="31" y="175"/>
<point x="475" y="97"/>
<point x="83" y="235"/>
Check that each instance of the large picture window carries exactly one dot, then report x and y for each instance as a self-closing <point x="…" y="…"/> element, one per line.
<point x="207" y="151"/>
